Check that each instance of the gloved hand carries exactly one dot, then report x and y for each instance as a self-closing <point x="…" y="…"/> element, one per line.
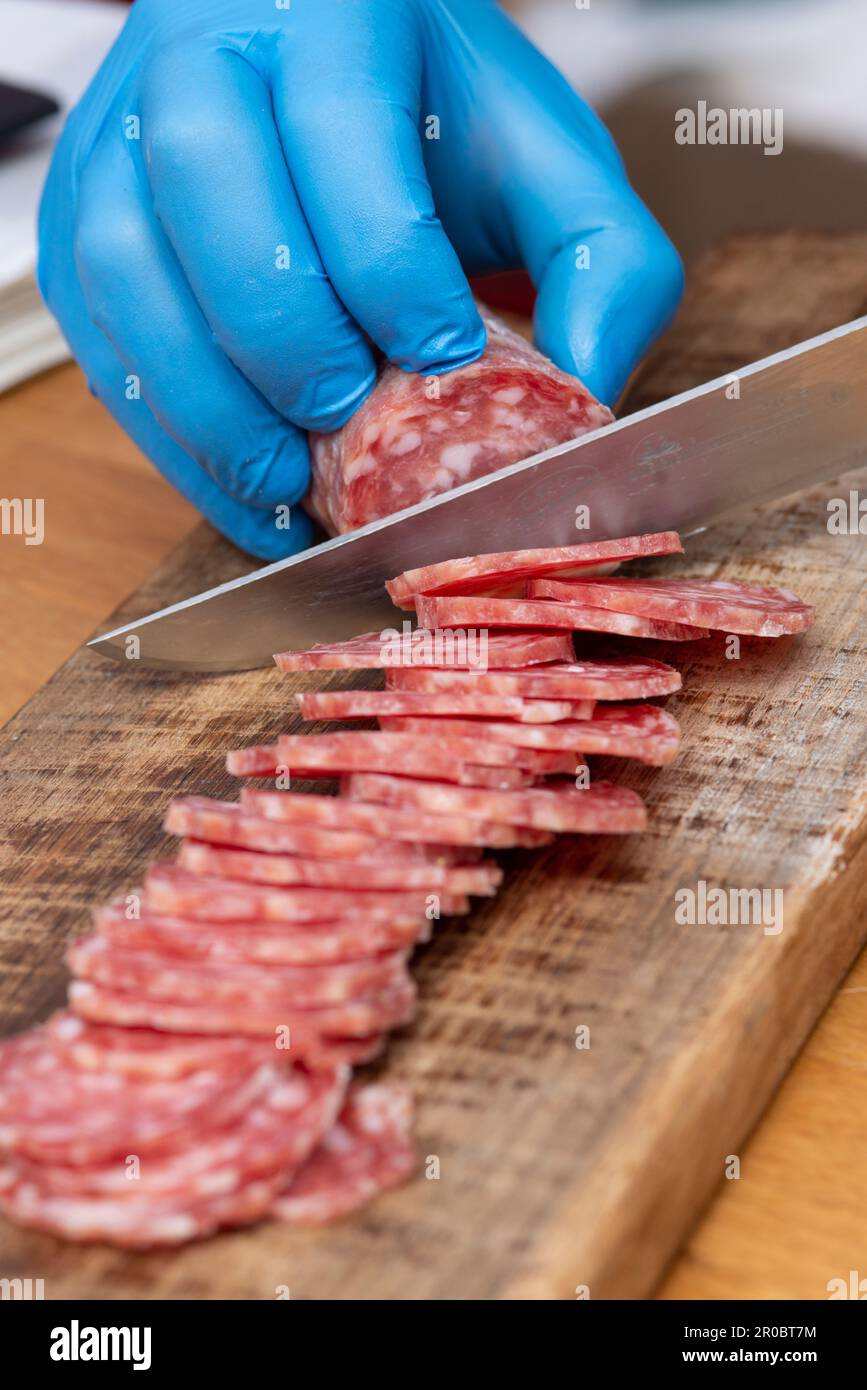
<point x="250" y="193"/>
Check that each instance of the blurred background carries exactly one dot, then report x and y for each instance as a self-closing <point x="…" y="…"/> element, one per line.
<point x="636" y="61"/>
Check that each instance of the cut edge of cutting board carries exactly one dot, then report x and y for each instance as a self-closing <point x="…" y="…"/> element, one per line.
<point x="639" y="1205"/>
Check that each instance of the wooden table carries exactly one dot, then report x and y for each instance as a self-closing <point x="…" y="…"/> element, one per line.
<point x="798" y="1216"/>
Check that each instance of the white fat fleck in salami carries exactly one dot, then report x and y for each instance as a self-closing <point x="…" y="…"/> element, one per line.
<point x="457" y="460"/>
<point x="407" y="443"/>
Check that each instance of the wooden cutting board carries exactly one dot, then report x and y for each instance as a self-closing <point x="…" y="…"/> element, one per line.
<point x="558" y="1167"/>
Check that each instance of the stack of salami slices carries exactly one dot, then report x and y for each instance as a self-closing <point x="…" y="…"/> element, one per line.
<point x="200" y="1078"/>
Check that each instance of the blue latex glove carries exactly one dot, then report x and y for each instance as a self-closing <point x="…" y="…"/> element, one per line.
<point x="247" y="196"/>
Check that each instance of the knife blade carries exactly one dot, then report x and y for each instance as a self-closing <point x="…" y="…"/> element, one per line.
<point x="768" y="430"/>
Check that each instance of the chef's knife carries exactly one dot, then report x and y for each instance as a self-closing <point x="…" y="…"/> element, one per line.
<point x="772" y="428"/>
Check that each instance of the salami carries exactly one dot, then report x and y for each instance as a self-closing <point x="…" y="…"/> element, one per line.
<point x="369" y="1150"/>
<point x="645" y="732"/>
<point x="226" y="1176"/>
<point x="141" y="1053"/>
<point x="602" y="808"/>
<point x="199" y="982"/>
<point x="465" y="831"/>
<point x="405" y="443"/>
<point x="457" y="612"/>
<point x="480" y="880"/>
<point x="262" y="942"/>
<point x="306" y="1027"/>
<point x="421" y="648"/>
<point x="472" y="573"/>
<point x="468" y="704"/>
<point x="145" y="1053"/>
<point x="452" y="760"/>
<point x="715" y="603"/>
<point x="276" y="1133"/>
<point x="76" y="1117"/>
<point x="616" y="678"/>
<point x="261" y="760"/>
<point x="227" y="823"/>
<point x="472" y="775"/>
<point x="172" y="890"/>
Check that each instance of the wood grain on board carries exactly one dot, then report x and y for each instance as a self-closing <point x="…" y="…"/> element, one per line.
<point x="559" y="1167"/>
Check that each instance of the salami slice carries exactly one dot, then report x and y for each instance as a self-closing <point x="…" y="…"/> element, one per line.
<point x="456" y="612"/>
<point x="290" y="806"/>
<point x="645" y="732"/>
<point x="77" y="1117"/>
<point x="368" y="1150"/>
<point x="227" y="823"/>
<point x="390" y="650"/>
<point x="469" y="704"/>
<point x="142" y="1054"/>
<point x="172" y="890"/>
<point x="200" y="982"/>
<point x="228" y="1179"/>
<point x="361" y="751"/>
<point x="145" y="1053"/>
<point x="404" y="445"/>
<point x="602" y="808"/>
<point x="277" y="1133"/>
<point x="261" y="760"/>
<point x="306" y="1027"/>
<point x="715" y="603"/>
<point x="480" y="880"/>
<point x="471" y="573"/>
<point x="617" y="678"/>
<point x="309" y="944"/>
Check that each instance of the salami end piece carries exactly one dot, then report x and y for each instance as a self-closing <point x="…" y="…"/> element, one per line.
<point x="403" y="445"/>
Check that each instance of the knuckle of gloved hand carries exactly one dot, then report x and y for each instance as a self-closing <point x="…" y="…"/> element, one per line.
<point x="663" y="262"/>
<point x="176" y="131"/>
<point x="272" y="474"/>
<point x="324" y="396"/>
<point x="106" y="243"/>
<point x="315" y="370"/>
